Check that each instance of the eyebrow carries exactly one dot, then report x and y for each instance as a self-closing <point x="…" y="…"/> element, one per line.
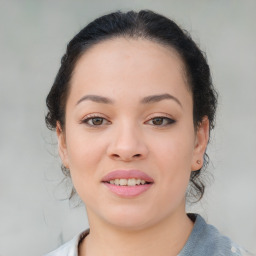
<point x="147" y="100"/>
<point x="96" y="98"/>
<point x="160" y="97"/>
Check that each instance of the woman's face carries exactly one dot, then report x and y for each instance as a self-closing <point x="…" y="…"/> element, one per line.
<point x="129" y="120"/>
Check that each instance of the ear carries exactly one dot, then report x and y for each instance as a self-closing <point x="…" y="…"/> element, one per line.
<point x="62" y="148"/>
<point x="201" y="141"/>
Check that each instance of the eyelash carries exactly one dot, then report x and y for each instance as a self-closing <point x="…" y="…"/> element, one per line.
<point x="168" y="121"/>
<point x="91" y="117"/>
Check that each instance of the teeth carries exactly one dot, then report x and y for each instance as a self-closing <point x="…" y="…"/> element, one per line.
<point x="131" y="182"/>
<point x="127" y="182"/>
<point x="138" y="181"/>
<point x="123" y="182"/>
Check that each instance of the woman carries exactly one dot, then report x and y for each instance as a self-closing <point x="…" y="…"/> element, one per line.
<point x="133" y="106"/>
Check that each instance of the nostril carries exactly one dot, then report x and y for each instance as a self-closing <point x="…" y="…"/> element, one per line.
<point x="126" y="158"/>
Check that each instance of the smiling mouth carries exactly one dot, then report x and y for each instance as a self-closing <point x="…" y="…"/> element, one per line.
<point x="128" y="182"/>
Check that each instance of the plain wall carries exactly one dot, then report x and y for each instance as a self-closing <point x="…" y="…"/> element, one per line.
<point x="33" y="37"/>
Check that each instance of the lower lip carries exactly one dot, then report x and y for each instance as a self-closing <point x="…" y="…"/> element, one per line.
<point x="128" y="191"/>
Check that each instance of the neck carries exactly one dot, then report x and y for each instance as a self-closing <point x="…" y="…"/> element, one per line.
<point x="165" y="238"/>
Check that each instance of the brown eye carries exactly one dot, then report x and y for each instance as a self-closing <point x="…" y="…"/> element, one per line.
<point x="157" y="121"/>
<point x="95" y="121"/>
<point x="161" y="121"/>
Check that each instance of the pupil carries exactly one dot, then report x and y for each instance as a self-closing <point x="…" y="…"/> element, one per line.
<point x="158" y="121"/>
<point x="97" y="121"/>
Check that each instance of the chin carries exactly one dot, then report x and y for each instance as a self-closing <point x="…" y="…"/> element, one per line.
<point x="130" y="223"/>
<point x="130" y="218"/>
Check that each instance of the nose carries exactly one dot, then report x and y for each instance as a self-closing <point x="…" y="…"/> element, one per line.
<point x="127" y="144"/>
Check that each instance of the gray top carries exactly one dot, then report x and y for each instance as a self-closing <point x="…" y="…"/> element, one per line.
<point x="204" y="240"/>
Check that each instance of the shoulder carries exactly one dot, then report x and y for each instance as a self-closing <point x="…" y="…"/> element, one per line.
<point x="70" y="248"/>
<point x="205" y="239"/>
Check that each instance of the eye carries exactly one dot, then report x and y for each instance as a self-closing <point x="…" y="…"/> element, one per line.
<point x="161" y="121"/>
<point x="95" y="121"/>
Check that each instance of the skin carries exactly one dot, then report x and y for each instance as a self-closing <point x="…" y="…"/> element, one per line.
<point x="128" y="136"/>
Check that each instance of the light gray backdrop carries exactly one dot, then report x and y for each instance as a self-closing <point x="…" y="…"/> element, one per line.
<point x="33" y="36"/>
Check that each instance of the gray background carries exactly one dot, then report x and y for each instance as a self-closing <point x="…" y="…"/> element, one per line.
<point x="33" y="35"/>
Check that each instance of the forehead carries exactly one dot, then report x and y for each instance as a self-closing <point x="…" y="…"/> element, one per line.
<point x="129" y="64"/>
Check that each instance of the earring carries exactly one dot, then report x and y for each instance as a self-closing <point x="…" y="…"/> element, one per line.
<point x="198" y="162"/>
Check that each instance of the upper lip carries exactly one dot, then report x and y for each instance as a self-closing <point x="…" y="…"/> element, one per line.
<point x="127" y="174"/>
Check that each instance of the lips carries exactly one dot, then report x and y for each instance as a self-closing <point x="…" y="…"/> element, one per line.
<point x="127" y="174"/>
<point x="127" y="183"/>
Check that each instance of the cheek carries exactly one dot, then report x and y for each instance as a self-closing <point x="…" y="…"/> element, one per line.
<point x="84" y="156"/>
<point x="176" y="148"/>
<point x="174" y="156"/>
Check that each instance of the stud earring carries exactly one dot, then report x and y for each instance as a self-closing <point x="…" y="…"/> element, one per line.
<point x="198" y="162"/>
